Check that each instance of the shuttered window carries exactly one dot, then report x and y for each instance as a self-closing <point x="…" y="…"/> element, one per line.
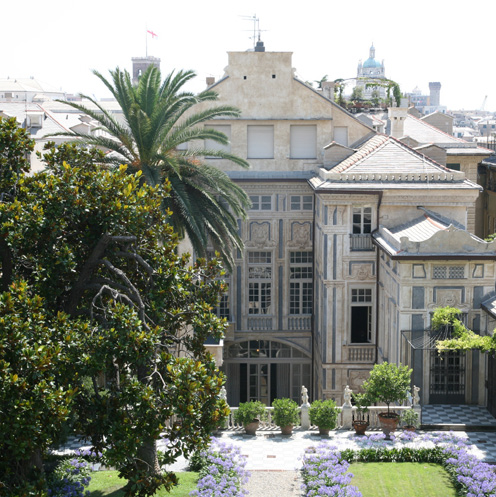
<point x="303" y="142"/>
<point x="260" y="142"/>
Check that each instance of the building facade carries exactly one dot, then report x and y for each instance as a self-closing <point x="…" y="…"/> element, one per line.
<point x="342" y="220"/>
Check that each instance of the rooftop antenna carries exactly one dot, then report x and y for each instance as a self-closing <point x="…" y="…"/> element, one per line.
<point x="256" y="28"/>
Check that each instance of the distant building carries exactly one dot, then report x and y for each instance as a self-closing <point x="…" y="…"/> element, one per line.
<point x="427" y="104"/>
<point x="370" y="76"/>
<point x="141" y="64"/>
<point x="27" y="90"/>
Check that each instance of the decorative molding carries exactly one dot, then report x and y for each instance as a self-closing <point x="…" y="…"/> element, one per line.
<point x="478" y="271"/>
<point x="361" y="270"/>
<point x="418" y="271"/>
<point x="301" y="235"/>
<point x="356" y="377"/>
<point x="260" y="235"/>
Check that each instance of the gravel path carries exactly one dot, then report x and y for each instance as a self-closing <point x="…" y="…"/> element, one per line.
<point x="274" y="484"/>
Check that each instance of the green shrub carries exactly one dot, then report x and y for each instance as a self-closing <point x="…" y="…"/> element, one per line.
<point x="286" y="412"/>
<point x="250" y="411"/>
<point x="324" y="414"/>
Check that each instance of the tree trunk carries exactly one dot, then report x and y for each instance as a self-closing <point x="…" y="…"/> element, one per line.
<point x="147" y="455"/>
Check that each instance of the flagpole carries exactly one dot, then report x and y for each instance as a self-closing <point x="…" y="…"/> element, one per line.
<point x="146" y="42"/>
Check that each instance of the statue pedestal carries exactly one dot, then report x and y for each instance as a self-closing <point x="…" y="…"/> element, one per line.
<point x="347" y="416"/>
<point x="305" y="417"/>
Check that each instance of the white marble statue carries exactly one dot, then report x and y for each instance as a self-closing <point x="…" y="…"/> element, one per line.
<point x="304" y="395"/>
<point x="347" y="396"/>
<point x="416" y="396"/>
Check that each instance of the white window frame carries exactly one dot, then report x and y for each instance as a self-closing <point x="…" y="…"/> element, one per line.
<point x="362" y="297"/>
<point x="300" y="283"/>
<point x="261" y="202"/>
<point x="359" y="223"/>
<point x="301" y="202"/>
<point x="260" y="277"/>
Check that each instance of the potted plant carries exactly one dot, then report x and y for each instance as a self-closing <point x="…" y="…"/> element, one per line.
<point x="388" y="383"/>
<point x="409" y="420"/>
<point x="249" y="415"/>
<point x="324" y="414"/>
<point x="360" y="423"/>
<point x="286" y="414"/>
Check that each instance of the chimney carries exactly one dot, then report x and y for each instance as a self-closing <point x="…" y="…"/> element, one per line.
<point x="397" y="116"/>
<point x="259" y="47"/>
<point x="210" y="80"/>
<point x="328" y="89"/>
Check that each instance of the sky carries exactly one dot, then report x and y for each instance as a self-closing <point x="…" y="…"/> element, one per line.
<point x="61" y="42"/>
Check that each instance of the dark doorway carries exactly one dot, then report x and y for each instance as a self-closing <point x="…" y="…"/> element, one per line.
<point x="447" y="377"/>
<point x="360" y="324"/>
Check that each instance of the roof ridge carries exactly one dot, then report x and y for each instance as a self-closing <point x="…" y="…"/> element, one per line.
<point x="363" y="152"/>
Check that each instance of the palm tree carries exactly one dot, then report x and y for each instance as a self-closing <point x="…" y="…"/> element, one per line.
<point x="159" y="118"/>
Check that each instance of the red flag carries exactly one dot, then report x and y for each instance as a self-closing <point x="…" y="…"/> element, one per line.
<point x="152" y="33"/>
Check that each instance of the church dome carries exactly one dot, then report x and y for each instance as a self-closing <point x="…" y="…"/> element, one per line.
<point x="371" y="63"/>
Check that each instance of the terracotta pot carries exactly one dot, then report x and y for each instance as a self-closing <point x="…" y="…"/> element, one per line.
<point x="251" y="428"/>
<point x="409" y="428"/>
<point x="287" y="430"/>
<point x="324" y="431"/>
<point x="360" y="427"/>
<point x="389" y="423"/>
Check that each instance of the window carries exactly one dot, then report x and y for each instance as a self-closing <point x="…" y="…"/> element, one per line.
<point x="213" y="145"/>
<point x="303" y="142"/>
<point x="362" y="220"/>
<point x="260" y="142"/>
<point x="341" y="135"/>
<point x="448" y="272"/>
<point x="261" y="202"/>
<point x="301" y="202"/>
<point x="361" y="315"/>
<point x="222" y="310"/>
<point x="455" y="167"/>
<point x="259" y="282"/>
<point x="300" y="283"/>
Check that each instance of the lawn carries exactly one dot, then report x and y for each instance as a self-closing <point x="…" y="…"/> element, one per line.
<point x="108" y="483"/>
<point x="402" y="479"/>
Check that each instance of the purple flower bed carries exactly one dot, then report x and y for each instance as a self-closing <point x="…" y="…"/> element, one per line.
<point x="325" y="471"/>
<point x="224" y="472"/>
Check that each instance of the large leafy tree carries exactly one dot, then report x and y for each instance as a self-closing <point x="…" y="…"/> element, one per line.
<point x="97" y="291"/>
<point x="159" y="117"/>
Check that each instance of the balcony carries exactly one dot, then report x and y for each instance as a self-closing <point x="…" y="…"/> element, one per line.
<point x="259" y="324"/>
<point x="361" y="243"/>
<point x="300" y="323"/>
<point x="360" y="353"/>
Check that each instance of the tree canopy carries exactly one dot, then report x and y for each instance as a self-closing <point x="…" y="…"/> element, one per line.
<point x="163" y="137"/>
<point x="104" y="321"/>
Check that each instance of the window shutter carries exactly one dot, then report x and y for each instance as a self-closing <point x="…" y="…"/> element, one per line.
<point x="303" y="142"/>
<point x="260" y="142"/>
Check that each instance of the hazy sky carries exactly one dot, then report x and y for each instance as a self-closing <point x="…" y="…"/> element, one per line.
<point x="60" y="42"/>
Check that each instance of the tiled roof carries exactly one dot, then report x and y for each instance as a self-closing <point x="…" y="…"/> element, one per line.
<point x="385" y="162"/>
<point x="423" y="132"/>
<point x="385" y="154"/>
<point x="419" y="229"/>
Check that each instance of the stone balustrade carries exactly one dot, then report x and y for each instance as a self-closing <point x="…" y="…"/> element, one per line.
<point x="345" y="418"/>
